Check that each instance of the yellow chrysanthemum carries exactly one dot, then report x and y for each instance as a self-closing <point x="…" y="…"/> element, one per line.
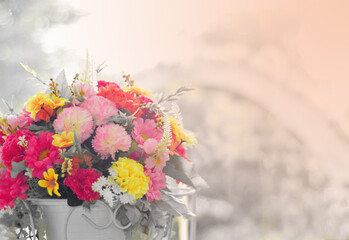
<point x="130" y="177"/>
<point x="34" y="104"/>
<point x="179" y="133"/>
<point x="137" y="90"/>
<point x="55" y="102"/>
<point x="50" y="182"/>
<point x="63" y="140"/>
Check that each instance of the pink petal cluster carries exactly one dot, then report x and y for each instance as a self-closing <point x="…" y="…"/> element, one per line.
<point x="144" y="130"/>
<point x="109" y="139"/>
<point x="41" y="154"/>
<point x="11" y="188"/>
<point x="20" y="121"/>
<point x="11" y="150"/>
<point x="100" y="108"/>
<point x="149" y="146"/>
<point x="158" y="160"/>
<point x="74" y="119"/>
<point x="81" y="184"/>
<point x="156" y="183"/>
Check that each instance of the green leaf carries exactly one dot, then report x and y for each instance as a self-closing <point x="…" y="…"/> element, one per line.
<point x="59" y="110"/>
<point x="29" y="70"/>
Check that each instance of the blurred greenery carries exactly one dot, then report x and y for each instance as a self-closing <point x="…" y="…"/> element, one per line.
<point x="22" y="25"/>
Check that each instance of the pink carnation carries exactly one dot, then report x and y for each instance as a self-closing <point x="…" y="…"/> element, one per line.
<point x="74" y="119"/>
<point x="11" y="188"/>
<point x="84" y="90"/>
<point x="41" y="154"/>
<point x="109" y="139"/>
<point x="11" y="150"/>
<point x="156" y="183"/>
<point x="144" y="130"/>
<point x="81" y="184"/>
<point x="100" y="108"/>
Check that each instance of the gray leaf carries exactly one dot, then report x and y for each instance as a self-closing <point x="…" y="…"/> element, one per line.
<point x="183" y="171"/>
<point x="173" y="206"/>
<point x="63" y="86"/>
<point x="17" y="167"/>
<point x="77" y="144"/>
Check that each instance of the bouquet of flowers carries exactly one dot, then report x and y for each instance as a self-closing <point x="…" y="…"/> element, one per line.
<point x="85" y="143"/>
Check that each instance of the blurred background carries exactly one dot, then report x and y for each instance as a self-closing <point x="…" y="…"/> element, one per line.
<point x="270" y="109"/>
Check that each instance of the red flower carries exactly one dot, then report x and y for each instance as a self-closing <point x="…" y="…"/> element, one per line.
<point x="144" y="99"/>
<point x="11" y="188"/>
<point x="123" y="100"/>
<point x="145" y="111"/>
<point x="11" y="150"/>
<point x="81" y="184"/>
<point x="181" y="151"/>
<point x="102" y="83"/>
<point x="45" y="113"/>
<point x="41" y="154"/>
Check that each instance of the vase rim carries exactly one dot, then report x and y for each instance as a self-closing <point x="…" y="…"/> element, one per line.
<point x="48" y="201"/>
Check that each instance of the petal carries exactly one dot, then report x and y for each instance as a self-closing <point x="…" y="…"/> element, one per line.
<point x="50" y="172"/>
<point x="49" y="190"/>
<point x="45" y="175"/>
<point x="150" y="145"/>
<point x="43" y="183"/>
<point x="56" y="191"/>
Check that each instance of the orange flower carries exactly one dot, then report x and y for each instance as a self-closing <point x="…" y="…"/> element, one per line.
<point x="137" y="90"/>
<point x="41" y="106"/>
<point x="78" y="163"/>
<point x="50" y="182"/>
<point x="35" y="103"/>
<point x="178" y="137"/>
<point x="45" y="113"/>
<point x="122" y="99"/>
<point x="63" y="140"/>
<point x="55" y="102"/>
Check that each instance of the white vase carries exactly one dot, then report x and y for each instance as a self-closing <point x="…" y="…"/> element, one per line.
<point x="74" y="223"/>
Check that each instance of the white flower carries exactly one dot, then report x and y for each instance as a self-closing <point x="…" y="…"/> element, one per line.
<point x="113" y="172"/>
<point x="126" y="198"/>
<point x="22" y="142"/>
